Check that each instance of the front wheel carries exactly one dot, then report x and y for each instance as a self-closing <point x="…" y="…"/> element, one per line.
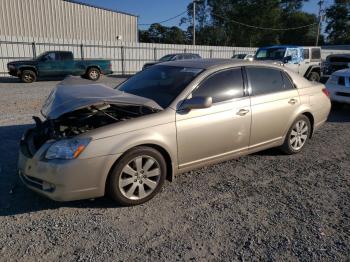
<point x="314" y="76"/>
<point x="297" y="136"/>
<point x="93" y="74"/>
<point x="28" y="76"/>
<point x="138" y="176"/>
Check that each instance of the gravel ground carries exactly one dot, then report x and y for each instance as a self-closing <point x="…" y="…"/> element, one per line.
<point x="265" y="206"/>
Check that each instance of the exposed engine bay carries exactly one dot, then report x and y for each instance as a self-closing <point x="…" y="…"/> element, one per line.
<point x="78" y="122"/>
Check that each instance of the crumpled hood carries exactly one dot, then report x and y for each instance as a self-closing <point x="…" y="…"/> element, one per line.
<point x="75" y="93"/>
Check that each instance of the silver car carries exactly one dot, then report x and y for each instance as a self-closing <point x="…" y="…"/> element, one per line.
<point x="165" y="120"/>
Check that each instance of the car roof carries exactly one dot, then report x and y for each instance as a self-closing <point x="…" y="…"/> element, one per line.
<point x="181" y="54"/>
<point x="343" y="72"/>
<point x="280" y="46"/>
<point x="212" y="63"/>
<point x="218" y="64"/>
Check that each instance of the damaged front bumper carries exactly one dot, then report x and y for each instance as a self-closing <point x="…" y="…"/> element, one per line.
<point x="64" y="180"/>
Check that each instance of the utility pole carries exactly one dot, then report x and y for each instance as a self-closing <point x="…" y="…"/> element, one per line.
<point x="320" y="3"/>
<point x="194" y="22"/>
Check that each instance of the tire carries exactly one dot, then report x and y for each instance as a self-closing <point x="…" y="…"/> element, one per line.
<point x="93" y="74"/>
<point x="314" y="76"/>
<point x="28" y="76"/>
<point x="140" y="168"/>
<point x="296" y="137"/>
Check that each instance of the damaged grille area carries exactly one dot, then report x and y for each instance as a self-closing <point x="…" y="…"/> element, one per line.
<point x="78" y="122"/>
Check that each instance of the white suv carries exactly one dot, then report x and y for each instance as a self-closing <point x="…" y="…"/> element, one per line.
<point x="338" y="86"/>
<point x="305" y="61"/>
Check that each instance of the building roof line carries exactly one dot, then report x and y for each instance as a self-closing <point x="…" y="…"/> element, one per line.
<point x="98" y="7"/>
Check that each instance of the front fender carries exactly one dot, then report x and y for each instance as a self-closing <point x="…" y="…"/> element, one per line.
<point x="163" y="136"/>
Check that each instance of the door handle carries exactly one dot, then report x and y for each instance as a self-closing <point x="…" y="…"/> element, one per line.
<point x="243" y="112"/>
<point x="292" y="101"/>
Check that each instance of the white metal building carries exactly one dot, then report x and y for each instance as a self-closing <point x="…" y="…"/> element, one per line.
<point x="65" y="19"/>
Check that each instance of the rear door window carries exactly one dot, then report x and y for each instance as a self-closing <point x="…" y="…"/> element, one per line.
<point x="222" y="86"/>
<point x="315" y="53"/>
<point x="306" y="54"/>
<point x="66" y="56"/>
<point x="267" y="80"/>
<point x="288" y="84"/>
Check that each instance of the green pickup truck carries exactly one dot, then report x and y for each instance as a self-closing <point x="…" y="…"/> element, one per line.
<point x="58" y="63"/>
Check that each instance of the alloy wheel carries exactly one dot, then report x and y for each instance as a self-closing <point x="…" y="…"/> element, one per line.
<point x="93" y="74"/>
<point x="140" y="177"/>
<point x="28" y="77"/>
<point x="299" y="135"/>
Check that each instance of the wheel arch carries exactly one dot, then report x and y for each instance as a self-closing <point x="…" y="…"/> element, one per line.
<point x="312" y="121"/>
<point x="88" y="67"/>
<point x="159" y="148"/>
<point x="27" y="67"/>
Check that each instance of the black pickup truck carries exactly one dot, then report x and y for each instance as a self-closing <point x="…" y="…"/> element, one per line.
<point x="58" y="63"/>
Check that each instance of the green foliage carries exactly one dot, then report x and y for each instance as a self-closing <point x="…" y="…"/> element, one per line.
<point x="162" y="34"/>
<point x="338" y="18"/>
<point x="220" y="22"/>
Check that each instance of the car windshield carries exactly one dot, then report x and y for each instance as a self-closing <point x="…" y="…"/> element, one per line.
<point x="270" y="54"/>
<point x="166" y="58"/>
<point x="160" y="83"/>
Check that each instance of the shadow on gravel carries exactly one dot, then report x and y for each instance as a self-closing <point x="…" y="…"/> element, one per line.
<point x="340" y="114"/>
<point x="15" y="198"/>
<point x="8" y="79"/>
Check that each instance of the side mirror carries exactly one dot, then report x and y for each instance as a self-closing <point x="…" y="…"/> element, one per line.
<point x="197" y="102"/>
<point x="287" y="59"/>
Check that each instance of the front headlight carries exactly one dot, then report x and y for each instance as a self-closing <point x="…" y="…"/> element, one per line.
<point x="67" y="148"/>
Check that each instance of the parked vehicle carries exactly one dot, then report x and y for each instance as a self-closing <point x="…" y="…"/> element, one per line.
<point x="338" y="86"/>
<point x="336" y="62"/>
<point x="168" y="119"/>
<point x="305" y="61"/>
<point x="58" y="63"/>
<point x="172" y="57"/>
<point x="243" y="56"/>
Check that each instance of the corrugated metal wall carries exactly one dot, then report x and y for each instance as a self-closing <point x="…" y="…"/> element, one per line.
<point x="64" y="20"/>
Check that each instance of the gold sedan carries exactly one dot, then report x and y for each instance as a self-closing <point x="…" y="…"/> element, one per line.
<point x="170" y="118"/>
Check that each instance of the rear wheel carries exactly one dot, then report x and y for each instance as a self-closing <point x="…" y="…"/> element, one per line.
<point x="138" y="176"/>
<point x="297" y="135"/>
<point x="93" y="74"/>
<point x="314" y="76"/>
<point x="28" y="76"/>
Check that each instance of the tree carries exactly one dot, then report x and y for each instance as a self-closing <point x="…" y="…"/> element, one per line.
<point x="226" y="18"/>
<point x="338" y="19"/>
<point x="162" y="34"/>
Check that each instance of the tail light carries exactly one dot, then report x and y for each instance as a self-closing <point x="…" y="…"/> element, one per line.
<point x="110" y="65"/>
<point x="326" y="92"/>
